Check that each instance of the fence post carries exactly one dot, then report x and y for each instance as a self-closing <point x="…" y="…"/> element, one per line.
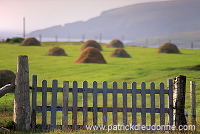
<point x="22" y="98"/>
<point x="179" y="99"/>
<point x="193" y="102"/>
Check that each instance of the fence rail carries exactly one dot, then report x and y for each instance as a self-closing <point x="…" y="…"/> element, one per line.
<point x="165" y="94"/>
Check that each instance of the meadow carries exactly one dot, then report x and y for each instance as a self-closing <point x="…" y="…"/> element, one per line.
<point x="145" y="65"/>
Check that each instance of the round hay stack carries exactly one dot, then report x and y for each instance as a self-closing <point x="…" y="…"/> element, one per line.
<point x="6" y="77"/>
<point x="30" y="42"/>
<point x="56" y="51"/>
<point x="91" y="55"/>
<point x="168" y="48"/>
<point x="120" y="52"/>
<point x="91" y="43"/>
<point x="115" y="44"/>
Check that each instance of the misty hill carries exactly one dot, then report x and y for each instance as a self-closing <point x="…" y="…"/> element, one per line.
<point x="133" y="22"/>
<point x="182" y="40"/>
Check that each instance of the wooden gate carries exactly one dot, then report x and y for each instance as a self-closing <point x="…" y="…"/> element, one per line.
<point x="163" y="105"/>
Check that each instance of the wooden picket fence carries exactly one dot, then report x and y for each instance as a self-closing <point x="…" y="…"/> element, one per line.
<point x="133" y="109"/>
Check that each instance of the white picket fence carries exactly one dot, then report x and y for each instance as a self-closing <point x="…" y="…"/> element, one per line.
<point x="115" y="109"/>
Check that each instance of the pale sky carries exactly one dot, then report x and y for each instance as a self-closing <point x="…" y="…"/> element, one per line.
<point x="41" y="14"/>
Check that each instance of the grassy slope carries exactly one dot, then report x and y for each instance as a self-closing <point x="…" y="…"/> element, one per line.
<point x="145" y="65"/>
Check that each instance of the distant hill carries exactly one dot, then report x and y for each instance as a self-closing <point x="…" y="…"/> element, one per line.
<point x="182" y="40"/>
<point x="133" y="22"/>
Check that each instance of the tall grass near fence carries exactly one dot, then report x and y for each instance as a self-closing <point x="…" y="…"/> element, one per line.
<point x="145" y="66"/>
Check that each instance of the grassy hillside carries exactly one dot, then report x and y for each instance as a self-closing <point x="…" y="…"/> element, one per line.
<point x="145" y="66"/>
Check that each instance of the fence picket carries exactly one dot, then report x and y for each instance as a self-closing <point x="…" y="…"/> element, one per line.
<point x="105" y="103"/>
<point x="75" y="109"/>
<point x="162" y="103"/>
<point x="152" y="87"/>
<point x="134" y="107"/>
<point x="94" y="103"/>
<point x="65" y="105"/>
<point x="170" y="100"/>
<point x="44" y="104"/>
<point x="54" y="104"/>
<point x="85" y="104"/>
<point x="34" y="101"/>
<point x="115" y="120"/>
<point x="143" y="110"/>
<point x="124" y="103"/>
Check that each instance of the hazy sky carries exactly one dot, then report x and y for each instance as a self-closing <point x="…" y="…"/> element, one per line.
<point x="41" y="14"/>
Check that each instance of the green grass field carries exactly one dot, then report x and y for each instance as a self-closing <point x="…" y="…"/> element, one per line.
<point x="145" y="66"/>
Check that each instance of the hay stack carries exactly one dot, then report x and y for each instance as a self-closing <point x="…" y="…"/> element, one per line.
<point x="168" y="48"/>
<point x="6" y="77"/>
<point x="56" y="51"/>
<point x="30" y="42"/>
<point x="91" y="43"/>
<point x="90" y="55"/>
<point x="115" y="44"/>
<point x="120" y="52"/>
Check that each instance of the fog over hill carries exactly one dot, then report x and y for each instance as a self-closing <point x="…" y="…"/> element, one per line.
<point x="133" y="22"/>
